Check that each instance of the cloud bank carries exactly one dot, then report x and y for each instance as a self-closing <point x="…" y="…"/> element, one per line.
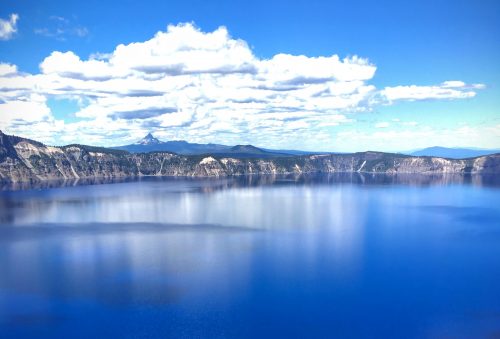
<point x="201" y="86"/>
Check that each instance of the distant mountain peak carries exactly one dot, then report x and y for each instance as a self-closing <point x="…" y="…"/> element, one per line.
<point x="149" y="139"/>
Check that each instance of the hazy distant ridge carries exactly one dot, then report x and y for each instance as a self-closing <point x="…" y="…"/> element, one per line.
<point x="453" y="153"/>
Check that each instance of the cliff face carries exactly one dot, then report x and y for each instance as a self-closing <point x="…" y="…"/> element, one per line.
<point x="27" y="160"/>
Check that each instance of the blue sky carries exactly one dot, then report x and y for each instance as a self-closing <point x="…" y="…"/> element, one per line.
<point x="417" y="74"/>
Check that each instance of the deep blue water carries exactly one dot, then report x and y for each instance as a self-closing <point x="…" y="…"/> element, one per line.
<point x="334" y="257"/>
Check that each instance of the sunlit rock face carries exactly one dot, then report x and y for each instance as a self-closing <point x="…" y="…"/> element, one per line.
<point x="27" y="160"/>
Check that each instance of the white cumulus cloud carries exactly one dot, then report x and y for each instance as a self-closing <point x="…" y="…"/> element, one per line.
<point x="184" y="83"/>
<point x="7" y="69"/>
<point x="8" y="27"/>
<point x="445" y="90"/>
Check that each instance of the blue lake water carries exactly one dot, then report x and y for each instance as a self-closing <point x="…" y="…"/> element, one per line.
<point x="346" y="256"/>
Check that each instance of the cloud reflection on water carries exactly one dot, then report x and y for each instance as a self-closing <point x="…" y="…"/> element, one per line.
<point x="327" y="249"/>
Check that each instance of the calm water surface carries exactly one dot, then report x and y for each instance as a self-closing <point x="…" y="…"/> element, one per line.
<point x="333" y="256"/>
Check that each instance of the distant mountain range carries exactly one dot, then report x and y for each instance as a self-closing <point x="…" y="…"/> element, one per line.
<point x="151" y="144"/>
<point x="452" y="153"/>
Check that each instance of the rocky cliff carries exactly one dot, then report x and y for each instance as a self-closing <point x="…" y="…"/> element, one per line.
<point x="27" y="160"/>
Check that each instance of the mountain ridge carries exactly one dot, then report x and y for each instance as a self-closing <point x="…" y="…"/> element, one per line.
<point x="23" y="160"/>
<point x="149" y="143"/>
<point x="152" y="144"/>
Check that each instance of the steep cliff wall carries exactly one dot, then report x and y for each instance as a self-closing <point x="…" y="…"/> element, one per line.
<point x="27" y="160"/>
